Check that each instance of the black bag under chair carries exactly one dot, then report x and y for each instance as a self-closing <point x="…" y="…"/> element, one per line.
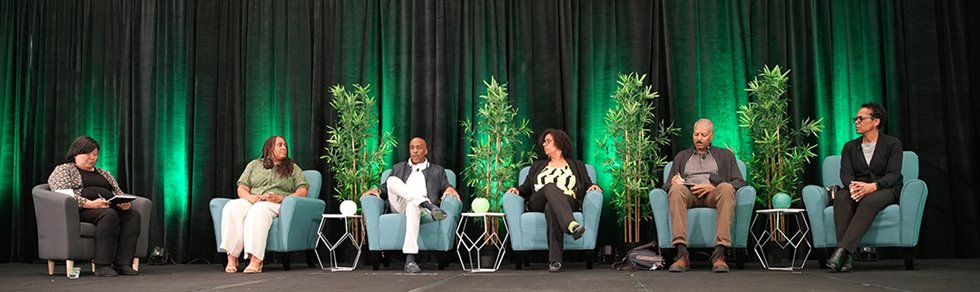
<point x="643" y="257"/>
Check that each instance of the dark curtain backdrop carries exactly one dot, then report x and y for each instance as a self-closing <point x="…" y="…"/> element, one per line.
<point x="181" y="94"/>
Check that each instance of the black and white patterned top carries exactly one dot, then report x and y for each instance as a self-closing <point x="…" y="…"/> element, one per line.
<point x="562" y="177"/>
<point x="66" y="176"/>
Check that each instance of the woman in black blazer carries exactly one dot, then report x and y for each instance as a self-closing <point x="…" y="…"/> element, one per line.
<point x="557" y="187"/>
<point x="871" y="170"/>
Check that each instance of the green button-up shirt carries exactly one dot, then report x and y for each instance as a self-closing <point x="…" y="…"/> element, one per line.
<point x="262" y="180"/>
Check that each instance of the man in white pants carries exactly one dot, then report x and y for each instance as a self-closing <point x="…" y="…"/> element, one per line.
<point x="414" y="188"/>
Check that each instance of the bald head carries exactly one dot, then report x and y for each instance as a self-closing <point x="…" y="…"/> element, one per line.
<point x="418" y="149"/>
<point x="704" y="132"/>
<point x="705" y="124"/>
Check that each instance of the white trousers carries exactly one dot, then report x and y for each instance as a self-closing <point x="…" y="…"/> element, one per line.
<point x="246" y="226"/>
<point x="405" y="198"/>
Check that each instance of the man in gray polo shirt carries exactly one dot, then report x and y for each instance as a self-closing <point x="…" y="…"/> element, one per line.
<point x="704" y="176"/>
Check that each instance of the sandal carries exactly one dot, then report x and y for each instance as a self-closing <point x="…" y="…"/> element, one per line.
<point x="253" y="270"/>
<point x="232" y="267"/>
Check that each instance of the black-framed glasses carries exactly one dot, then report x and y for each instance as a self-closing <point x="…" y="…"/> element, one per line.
<point x="858" y="119"/>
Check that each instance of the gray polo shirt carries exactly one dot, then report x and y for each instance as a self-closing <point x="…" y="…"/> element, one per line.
<point x="699" y="168"/>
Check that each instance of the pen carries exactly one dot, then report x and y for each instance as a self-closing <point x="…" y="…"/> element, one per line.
<point x="100" y="197"/>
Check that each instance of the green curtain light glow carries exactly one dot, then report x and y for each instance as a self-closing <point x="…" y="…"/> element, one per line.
<point x="182" y="94"/>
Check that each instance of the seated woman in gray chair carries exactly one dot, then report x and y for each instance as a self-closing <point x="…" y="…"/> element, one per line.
<point x="557" y="187"/>
<point x="116" y="227"/>
<point x="264" y="184"/>
<point x="871" y="170"/>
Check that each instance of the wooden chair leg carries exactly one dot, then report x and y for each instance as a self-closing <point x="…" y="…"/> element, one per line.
<point x="69" y="264"/>
<point x="517" y="258"/>
<point x="739" y="258"/>
<point x="50" y="268"/>
<point x="310" y="259"/>
<point x="443" y="260"/>
<point x="287" y="260"/>
<point x="136" y="264"/>
<point x="822" y="258"/>
<point x="375" y="260"/>
<point x="909" y="258"/>
<point x="588" y="259"/>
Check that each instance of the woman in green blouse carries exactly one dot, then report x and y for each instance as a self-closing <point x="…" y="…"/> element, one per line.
<point x="557" y="186"/>
<point x="262" y="187"/>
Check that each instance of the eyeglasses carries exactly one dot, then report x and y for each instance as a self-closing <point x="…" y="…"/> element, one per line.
<point x="858" y="119"/>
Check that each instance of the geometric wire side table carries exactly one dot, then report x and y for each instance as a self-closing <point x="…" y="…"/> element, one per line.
<point x="332" y="247"/>
<point x="794" y="241"/>
<point x="473" y="246"/>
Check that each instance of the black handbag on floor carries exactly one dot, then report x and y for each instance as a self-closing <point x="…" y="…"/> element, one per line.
<point x="643" y="257"/>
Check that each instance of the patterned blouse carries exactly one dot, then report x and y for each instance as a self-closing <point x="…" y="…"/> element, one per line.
<point x="560" y="176"/>
<point x="66" y="176"/>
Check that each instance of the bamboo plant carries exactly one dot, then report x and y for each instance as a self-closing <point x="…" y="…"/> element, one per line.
<point x="631" y="151"/>
<point x="354" y="158"/>
<point x="497" y="150"/>
<point x="779" y="153"/>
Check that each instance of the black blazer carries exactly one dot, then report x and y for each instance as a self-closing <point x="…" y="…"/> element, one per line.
<point x="583" y="181"/>
<point x="727" y="167"/>
<point x="885" y="168"/>
<point x="436" y="181"/>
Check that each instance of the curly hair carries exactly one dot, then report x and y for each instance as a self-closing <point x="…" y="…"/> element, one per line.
<point x="561" y="140"/>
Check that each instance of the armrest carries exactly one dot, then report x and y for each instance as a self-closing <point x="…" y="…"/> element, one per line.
<point x="816" y="199"/>
<point x="591" y="214"/>
<point x="912" y="204"/>
<point x="592" y="208"/>
<point x="453" y="208"/>
<point x="216" y="205"/>
<point x="57" y="224"/>
<point x="299" y="217"/>
<point x="513" y="209"/>
<point x="372" y="208"/>
<point x="744" y="205"/>
<point x="144" y="207"/>
<point x="661" y="217"/>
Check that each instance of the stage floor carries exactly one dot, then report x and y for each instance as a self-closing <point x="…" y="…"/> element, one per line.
<point x="930" y="275"/>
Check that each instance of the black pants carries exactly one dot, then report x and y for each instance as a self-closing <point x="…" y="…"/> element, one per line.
<point x="116" y="233"/>
<point x="853" y="219"/>
<point x="557" y="208"/>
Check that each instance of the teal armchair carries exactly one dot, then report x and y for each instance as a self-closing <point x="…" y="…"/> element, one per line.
<point x="895" y="226"/>
<point x="528" y="230"/>
<point x="296" y="227"/>
<point x="701" y="221"/>
<point x="387" y="231"/>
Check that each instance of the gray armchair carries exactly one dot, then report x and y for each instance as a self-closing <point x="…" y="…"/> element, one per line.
<point x="61" y="236"/>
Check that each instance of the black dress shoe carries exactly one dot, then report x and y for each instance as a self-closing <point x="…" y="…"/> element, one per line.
<point x="839" y="260"/>
<point x="125" y="270"/>
<point x="578" y="232"/>
<point x="105" y="271"/>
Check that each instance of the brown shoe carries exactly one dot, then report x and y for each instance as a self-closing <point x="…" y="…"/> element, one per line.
<point x="681" y="264"/>
<point x="718" y="264"/>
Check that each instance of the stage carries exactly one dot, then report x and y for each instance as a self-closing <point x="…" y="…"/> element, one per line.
<point x="930" y="275"/>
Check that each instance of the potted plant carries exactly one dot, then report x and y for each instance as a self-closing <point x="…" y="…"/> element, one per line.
<point x="497" y="149"/>
<point x="779" y="153"/>
<point x="631" y="154"/>
<point x="353" y="154"/>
